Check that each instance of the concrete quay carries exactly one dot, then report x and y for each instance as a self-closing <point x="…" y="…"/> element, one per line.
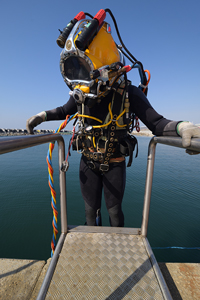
<point x="22" y="279"/>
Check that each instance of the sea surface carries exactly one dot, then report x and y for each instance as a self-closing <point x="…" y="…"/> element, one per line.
<point x="26" y="213"/>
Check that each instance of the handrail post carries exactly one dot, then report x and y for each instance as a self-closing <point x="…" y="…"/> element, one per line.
<point x="62" y="181"/>
<point x="169" y="141"/>
<point x="148" y="186"/>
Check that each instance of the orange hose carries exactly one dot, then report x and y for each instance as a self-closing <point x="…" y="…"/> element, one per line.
<point x="149" y="77"/>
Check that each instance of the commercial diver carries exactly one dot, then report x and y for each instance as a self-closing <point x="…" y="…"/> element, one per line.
<point x="93" y="67"/>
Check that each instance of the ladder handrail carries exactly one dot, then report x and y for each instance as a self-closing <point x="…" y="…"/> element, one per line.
<point x="21" y="142"/>
<point x="14" y="143"/>
<point x="169" y="141"/>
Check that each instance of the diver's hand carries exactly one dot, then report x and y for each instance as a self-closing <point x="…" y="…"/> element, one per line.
<point x="187" y="130"/>
<point x="34" y="121"/>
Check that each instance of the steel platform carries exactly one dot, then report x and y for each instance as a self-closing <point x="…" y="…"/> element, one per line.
<point x="106" y="263"/>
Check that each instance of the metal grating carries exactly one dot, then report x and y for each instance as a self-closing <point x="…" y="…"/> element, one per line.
<point x="104" y="266"/>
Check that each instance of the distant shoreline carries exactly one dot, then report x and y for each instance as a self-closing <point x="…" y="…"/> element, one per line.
<point x="4" y="134"/>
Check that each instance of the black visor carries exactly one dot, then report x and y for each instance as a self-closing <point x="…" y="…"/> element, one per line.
<point x="76" y="68"/>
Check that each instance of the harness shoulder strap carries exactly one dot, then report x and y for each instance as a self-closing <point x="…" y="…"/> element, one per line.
<point x="110" y="144"/>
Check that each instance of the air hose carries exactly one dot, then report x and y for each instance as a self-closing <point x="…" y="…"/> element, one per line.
<point x="129" y="55"/>
<point x="51" y="184"/>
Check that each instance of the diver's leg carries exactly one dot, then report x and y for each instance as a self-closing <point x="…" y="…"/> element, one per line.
<point x="114" y="185"/>
<point x="91" y="189"/>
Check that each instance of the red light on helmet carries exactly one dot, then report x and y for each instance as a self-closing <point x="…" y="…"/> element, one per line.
<point x="80" y="16"/>
<point x="100" y="16"/>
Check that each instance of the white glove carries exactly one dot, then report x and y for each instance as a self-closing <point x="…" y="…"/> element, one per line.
<point x="34" y="121"/>
<point x="187" y="130"/>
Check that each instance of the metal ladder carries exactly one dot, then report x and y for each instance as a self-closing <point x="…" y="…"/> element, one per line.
<point x="101" y="262"/>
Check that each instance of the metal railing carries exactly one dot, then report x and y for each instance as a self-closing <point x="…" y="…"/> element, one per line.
<point x="21" y="142"/>
<point x="170" y="141"/>
<point x="14" y="143"/>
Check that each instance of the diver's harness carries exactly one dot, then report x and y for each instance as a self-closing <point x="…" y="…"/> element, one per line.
<point x="115" y="140"/>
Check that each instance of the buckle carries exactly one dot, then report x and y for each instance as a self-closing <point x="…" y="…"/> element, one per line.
<point x="91" y="165"/>
<point x="104" y="167"/>
<point x="97" y="156"/>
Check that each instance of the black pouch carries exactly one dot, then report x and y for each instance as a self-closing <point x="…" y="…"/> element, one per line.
<point x="127" y="146"/>
<point x="80" y="142"/>
<point x="76" y="143"/>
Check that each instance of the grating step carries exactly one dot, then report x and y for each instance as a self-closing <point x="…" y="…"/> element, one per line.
<point x="104" y="266"/>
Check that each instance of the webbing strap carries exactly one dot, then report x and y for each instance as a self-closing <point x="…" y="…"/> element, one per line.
<point x="110" y="143"/>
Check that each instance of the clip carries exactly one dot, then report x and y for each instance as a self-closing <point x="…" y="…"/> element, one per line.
<point x="65" y="166"/>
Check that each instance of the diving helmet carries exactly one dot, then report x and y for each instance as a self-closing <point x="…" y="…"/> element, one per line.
<point x="90" y="59"/>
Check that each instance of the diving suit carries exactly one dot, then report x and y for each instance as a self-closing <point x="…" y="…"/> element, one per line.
<point x="93" y="67"/>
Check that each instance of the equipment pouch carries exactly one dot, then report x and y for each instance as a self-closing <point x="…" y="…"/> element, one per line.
<point x="127" y="146"/>
<point x="76" y="143"/>
<point x="80" y="142"/>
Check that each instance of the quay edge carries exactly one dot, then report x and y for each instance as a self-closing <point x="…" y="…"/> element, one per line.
<point x="22" y="279"/>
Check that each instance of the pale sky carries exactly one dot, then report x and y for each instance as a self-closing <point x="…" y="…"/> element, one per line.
<point x="163" y="35"/>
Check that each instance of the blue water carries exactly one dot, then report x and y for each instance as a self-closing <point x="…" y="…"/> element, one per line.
<point x="26" y="213"/>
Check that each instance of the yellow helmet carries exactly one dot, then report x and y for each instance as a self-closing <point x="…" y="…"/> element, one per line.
<point x="91" y="62"/>
<point x="90" y="47"/>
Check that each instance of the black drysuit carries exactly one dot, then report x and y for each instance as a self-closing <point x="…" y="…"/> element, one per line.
<point x="112" y="181"/>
